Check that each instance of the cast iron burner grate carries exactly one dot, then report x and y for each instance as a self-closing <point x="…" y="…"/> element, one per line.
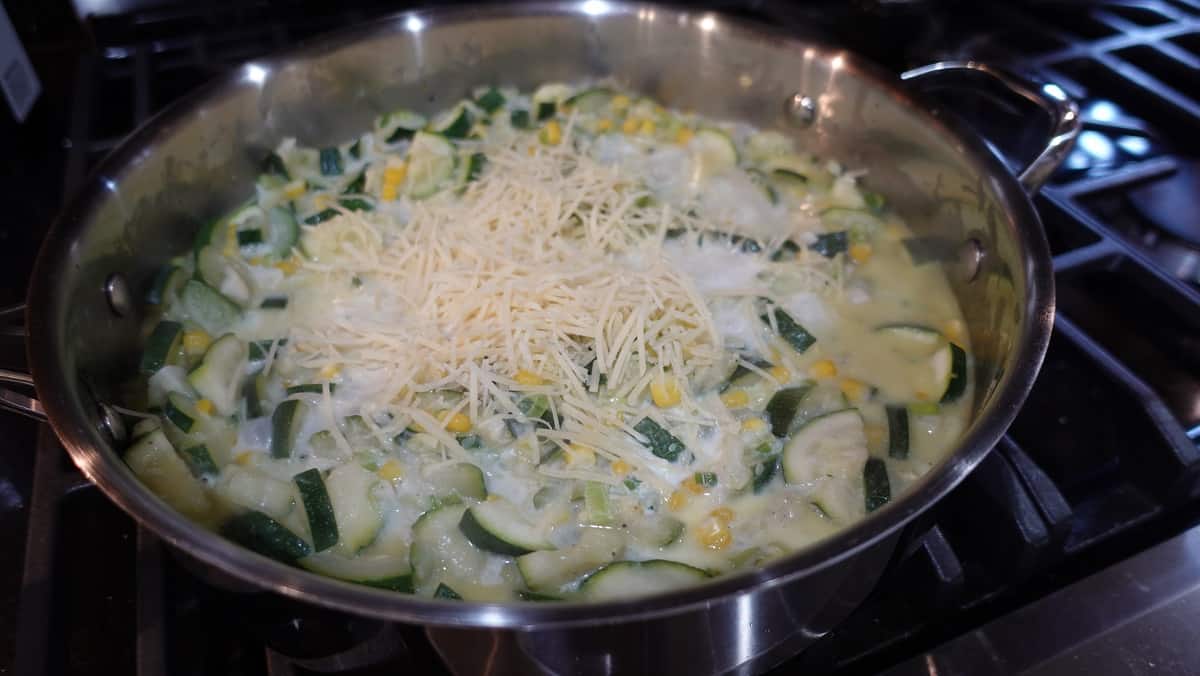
<point x="1101" y="463"/>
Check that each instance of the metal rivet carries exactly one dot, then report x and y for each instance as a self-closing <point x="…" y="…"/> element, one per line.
<point x="970" y="258"/>
<point x="801" y="109"/>
<point x="111" y="423"/>
<point x="116" y="290"/>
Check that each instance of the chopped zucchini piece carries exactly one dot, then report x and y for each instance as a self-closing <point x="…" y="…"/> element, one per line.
<point x="398" y="125"/>
<point x="950" y="367"/>
<point x="781" y="409"/>
<point x="358" y="518"/>
<point x="331" y="162"/>
<point x="876" y="488"/>
<point x="454" y="123"/>
<point x="897" y="417"/>
<point x="828" y="453"/>
<point x="550" y="570"/>
<point x="200" y="461"/>
<point x="490" y="101"/>
<point x="258" y="532"/>
<point x="444" y="591"/>
<point x="153" y="460"/>
<point x="286" y="422"/>
<point x="660" y="442"/>
<point x="626" y="579"/>
<point x="497" y="526"/>
<point x="208" y="307"/>
<point x="162" y="346"/>
<point x="431" y="161"/>
<point x="218" y="376"/>
<point x="461" y="480"/>
<point x="795" y="335"/>
<point x="830" y="244"/>
<point x="321" y="520"/>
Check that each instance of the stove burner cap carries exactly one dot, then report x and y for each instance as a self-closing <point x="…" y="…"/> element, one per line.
<point x="1168" y="203"/>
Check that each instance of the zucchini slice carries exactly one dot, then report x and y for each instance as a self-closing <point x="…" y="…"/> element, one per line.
<point x="714" y="151"/>
<point x="897" y="417"/>
<point x="208" y="307"/>
<point x="454" y="123"/>
<point x="321" y="520"/>
<point x="440" y="552"/>
<point x="431" y="161"/>
<point x="462" y="480"/>
<point x="950" y="368"/>
<point x="284" y="232"/>
<point x="596" y="505"/>
<point x="660" y="442"/>
<point x="791" y="331"/>
<point x="497" y="526"/>
<point x="355" y="509"/>
<point x="253" y="489"/>
<point x="828" y="453"/>
<point x="153" y="460"/>
<point x="187" y="427"/>
<point x="490" y="101"/>
<point x="876" y="487"/>
<point x="656" y="531"/>
<point x="162" y="346"/>
<point x="445" y="591"/>
<point x="260" y="533"/>
<point x="912" y="341"/>
<point x="385" y="571"/>
<point x="166" y="285"/>
<point x="782" y="408"/>
<point x="830" y="244"/>
<point x="286" y="422"/>
<point x="549" y="570"/>
<point x="218" y="376"/>
<point x="547" y="98"/>
<point x="626" y="579"/>
<point x="330" y="160"/>
<point x="398" y="125"/>
<point x="224" y="275"/>
<point x="200" y="461"/>
<point x="591" y="101"/>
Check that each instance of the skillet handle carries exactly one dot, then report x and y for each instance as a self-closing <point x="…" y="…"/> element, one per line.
<point x="1065" y="123"/>
<point x="11" y="318"/>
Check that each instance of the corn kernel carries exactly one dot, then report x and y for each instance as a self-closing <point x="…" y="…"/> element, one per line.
<point x="714" y="534"/>
<point x="684" y="136"/>
<point x="722" y="514"/>
<point x="860" y="252"/>
<point x="630" y="125"/>
<point x="692" y="485"/>
<point x="620" y="102"/>
<point x="579" y="456"/>
<point x="921" y="396"/>
<point x="394" y="174"/>
<point x="647" y="127"/>
<point x="665" y="392"/>
<point x="388" y="192"/>
<point x="953" y="329"/>
<point x="780" y="373"/>
<point x="529" y="378"/>
<point x="677" y="501"/>
<point x="753" y="425"/>
<point x="390" y="471"/>
<point x="288" y="267"/>
<point x="322" y="201"/>
<point x="205" y="406"/>
<point x="604" y="124"/>
<point x="295" y="189"/>
<point x="823" y="368"/>
<point x="196" y="342"/>
<point x="330" y="371"/>
<point x="244" y="458"/>
<point x="257" y="260"/>
<point x="735" y="399"/>
<point x="459" y="423"/>
<point x="853" y="389"/>
<point x="551" y="134"/>
<point x="621" y="468"/>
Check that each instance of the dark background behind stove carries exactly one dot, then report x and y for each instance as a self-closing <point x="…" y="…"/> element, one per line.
<point x="1102" y="462"/>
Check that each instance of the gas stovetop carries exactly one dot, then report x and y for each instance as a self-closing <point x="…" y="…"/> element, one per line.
<point x="1071" y="549"/>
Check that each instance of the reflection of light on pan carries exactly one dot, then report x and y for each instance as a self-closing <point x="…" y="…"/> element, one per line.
<point x="595" y="7"/>
<point x="255" y="74"/>
<point x="708" y="23"/>
<point x="414" y="24"/>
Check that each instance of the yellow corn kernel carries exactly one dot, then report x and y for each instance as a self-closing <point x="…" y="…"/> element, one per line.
<point x="244" y="458"/>
<point x="621" y="468"/>
<point x="735" y="399"/>
<point x="714" y="534"/>
<point x="551" y="134"/>
<point x="529" y="378"/>
<point x="677" y="501"/>
<point x="329" y="371"/>
<point x="693" y="486"/>
<point x="722" y="514"/>
<point x="388" y="192"/>
<point x="853" y="389"/>
<point x="921" y="396"/>
<point x="322" y="201"/>
<point x="390" y="471"/>
<point x="684" y="136"/>
<point x="630" y="125"/>
<point x="257" y="260"/>
<point x="205" y="406"/>
<point x="620" y="102"/>
<point x="823" y="368"/>
<point x="860" y="252"/>
<point x="579" y="456"/>
<point x="394" y="174"/>
<point x="196" y="342"/>
<point x="665" y="392"/>
<point x="780" y="373"/>
<point x="604" y="124"/>
<point x="295" y="189"/>
<point x="459" y="423"/>
<point x="647" y="127"/>
<point x="954" y="330"/>
<point x="753" y="425"/>
<point x="288" y="267"/>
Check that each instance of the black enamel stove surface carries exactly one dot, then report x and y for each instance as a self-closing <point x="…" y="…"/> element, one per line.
<point x="1101" y="463"/>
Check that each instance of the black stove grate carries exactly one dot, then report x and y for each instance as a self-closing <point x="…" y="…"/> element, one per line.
<point x="1101" y="462"/>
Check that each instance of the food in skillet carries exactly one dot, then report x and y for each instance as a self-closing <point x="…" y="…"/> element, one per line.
<point x="562" y="345"/>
